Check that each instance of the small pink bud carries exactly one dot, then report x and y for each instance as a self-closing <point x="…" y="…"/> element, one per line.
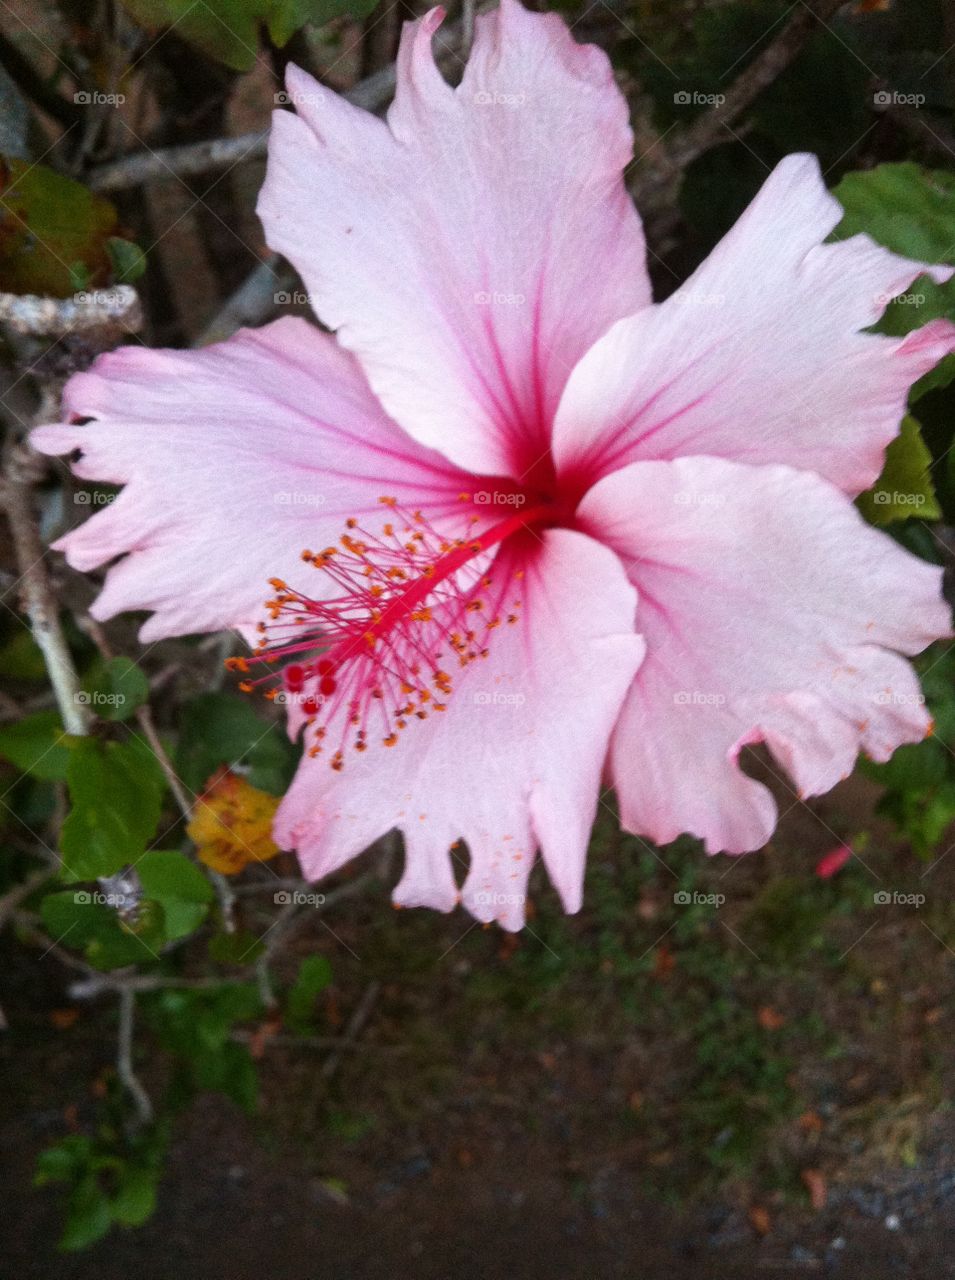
<point x="833" y="861"/>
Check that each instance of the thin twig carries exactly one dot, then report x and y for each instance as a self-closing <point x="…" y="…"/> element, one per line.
<point x="927" y="130"/>
<point x="354" y="1028"/>
<point x="20" y="892"/>
<point x="124" y="1056"/>
<point x="38" y="600"/>
<point x="293" y="915"/>
<point x="372" y="93"/>
<point x="97" y="983"/>
<point x="247" y="305"/>
<point x="144" y="718"/>
<point x="181" y="162"/>
<point x="36" y="86"/>
<point x="651" y="185"/>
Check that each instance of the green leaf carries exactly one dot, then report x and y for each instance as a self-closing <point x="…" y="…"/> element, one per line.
<point x="116" y="790"/>
<point x="192" y="1023"/>
<point x="314" y="975"/>
<point x="21" y="659"/>
<point x="63" y="1162"/>
<point x="908" y="209"/>
<point x="115" y="689"/>
<point x="34" y="745"/>
<point x="85" y="920"/>
<point x="239" y="948"/>
<point x="231" y="1071"/>
<point x="128" y="260"/>
<point x="911" y="211"/>
<point x="179" y="886"/>
<point x="79" y="276"/>
<point x="197" y="1026"/>
<point x="53" y="232"/>
<point x="287" y="16"/>
<point x="135" y="1198"/>
<point x="228" y="30"/>
<point x="88" y="1217"/>
<point x="904" y="489"/>
<point x="223" y="729"/>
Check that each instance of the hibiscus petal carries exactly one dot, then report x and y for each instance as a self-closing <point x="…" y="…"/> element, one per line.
<point x="759" y="355"/>
<point x="771" y="613"/>
<point x="234" y="458"/>
<point x="514" y="763"/>
<point x="473" y="247"/>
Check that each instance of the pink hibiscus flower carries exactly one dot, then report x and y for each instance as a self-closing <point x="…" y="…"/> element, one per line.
<point x="618" y="540"/>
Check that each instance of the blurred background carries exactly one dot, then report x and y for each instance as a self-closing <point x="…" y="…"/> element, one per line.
<point x="721" y="1066"/>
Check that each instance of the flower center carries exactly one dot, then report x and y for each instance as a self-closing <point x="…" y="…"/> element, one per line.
<point x="400" y="610"/>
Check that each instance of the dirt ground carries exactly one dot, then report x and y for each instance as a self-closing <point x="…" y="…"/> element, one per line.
<point x="232" y="1211"/>
<point x="557" y="1105"/>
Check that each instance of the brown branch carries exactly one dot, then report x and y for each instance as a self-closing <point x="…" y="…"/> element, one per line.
<point x="251" y="302"/>
<point x="25" y="76"/>
<point x="372" y="94"/>
<point x="651" y="187"/>
<point x="39" y="602"/>
<point x="11" y="900"/>
<point x="183" y="162"/>
<point x="356" y="1024"/>
<point x="931" y="133"/>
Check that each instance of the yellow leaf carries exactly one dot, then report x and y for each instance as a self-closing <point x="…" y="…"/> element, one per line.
<point x="232" y="824"/>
